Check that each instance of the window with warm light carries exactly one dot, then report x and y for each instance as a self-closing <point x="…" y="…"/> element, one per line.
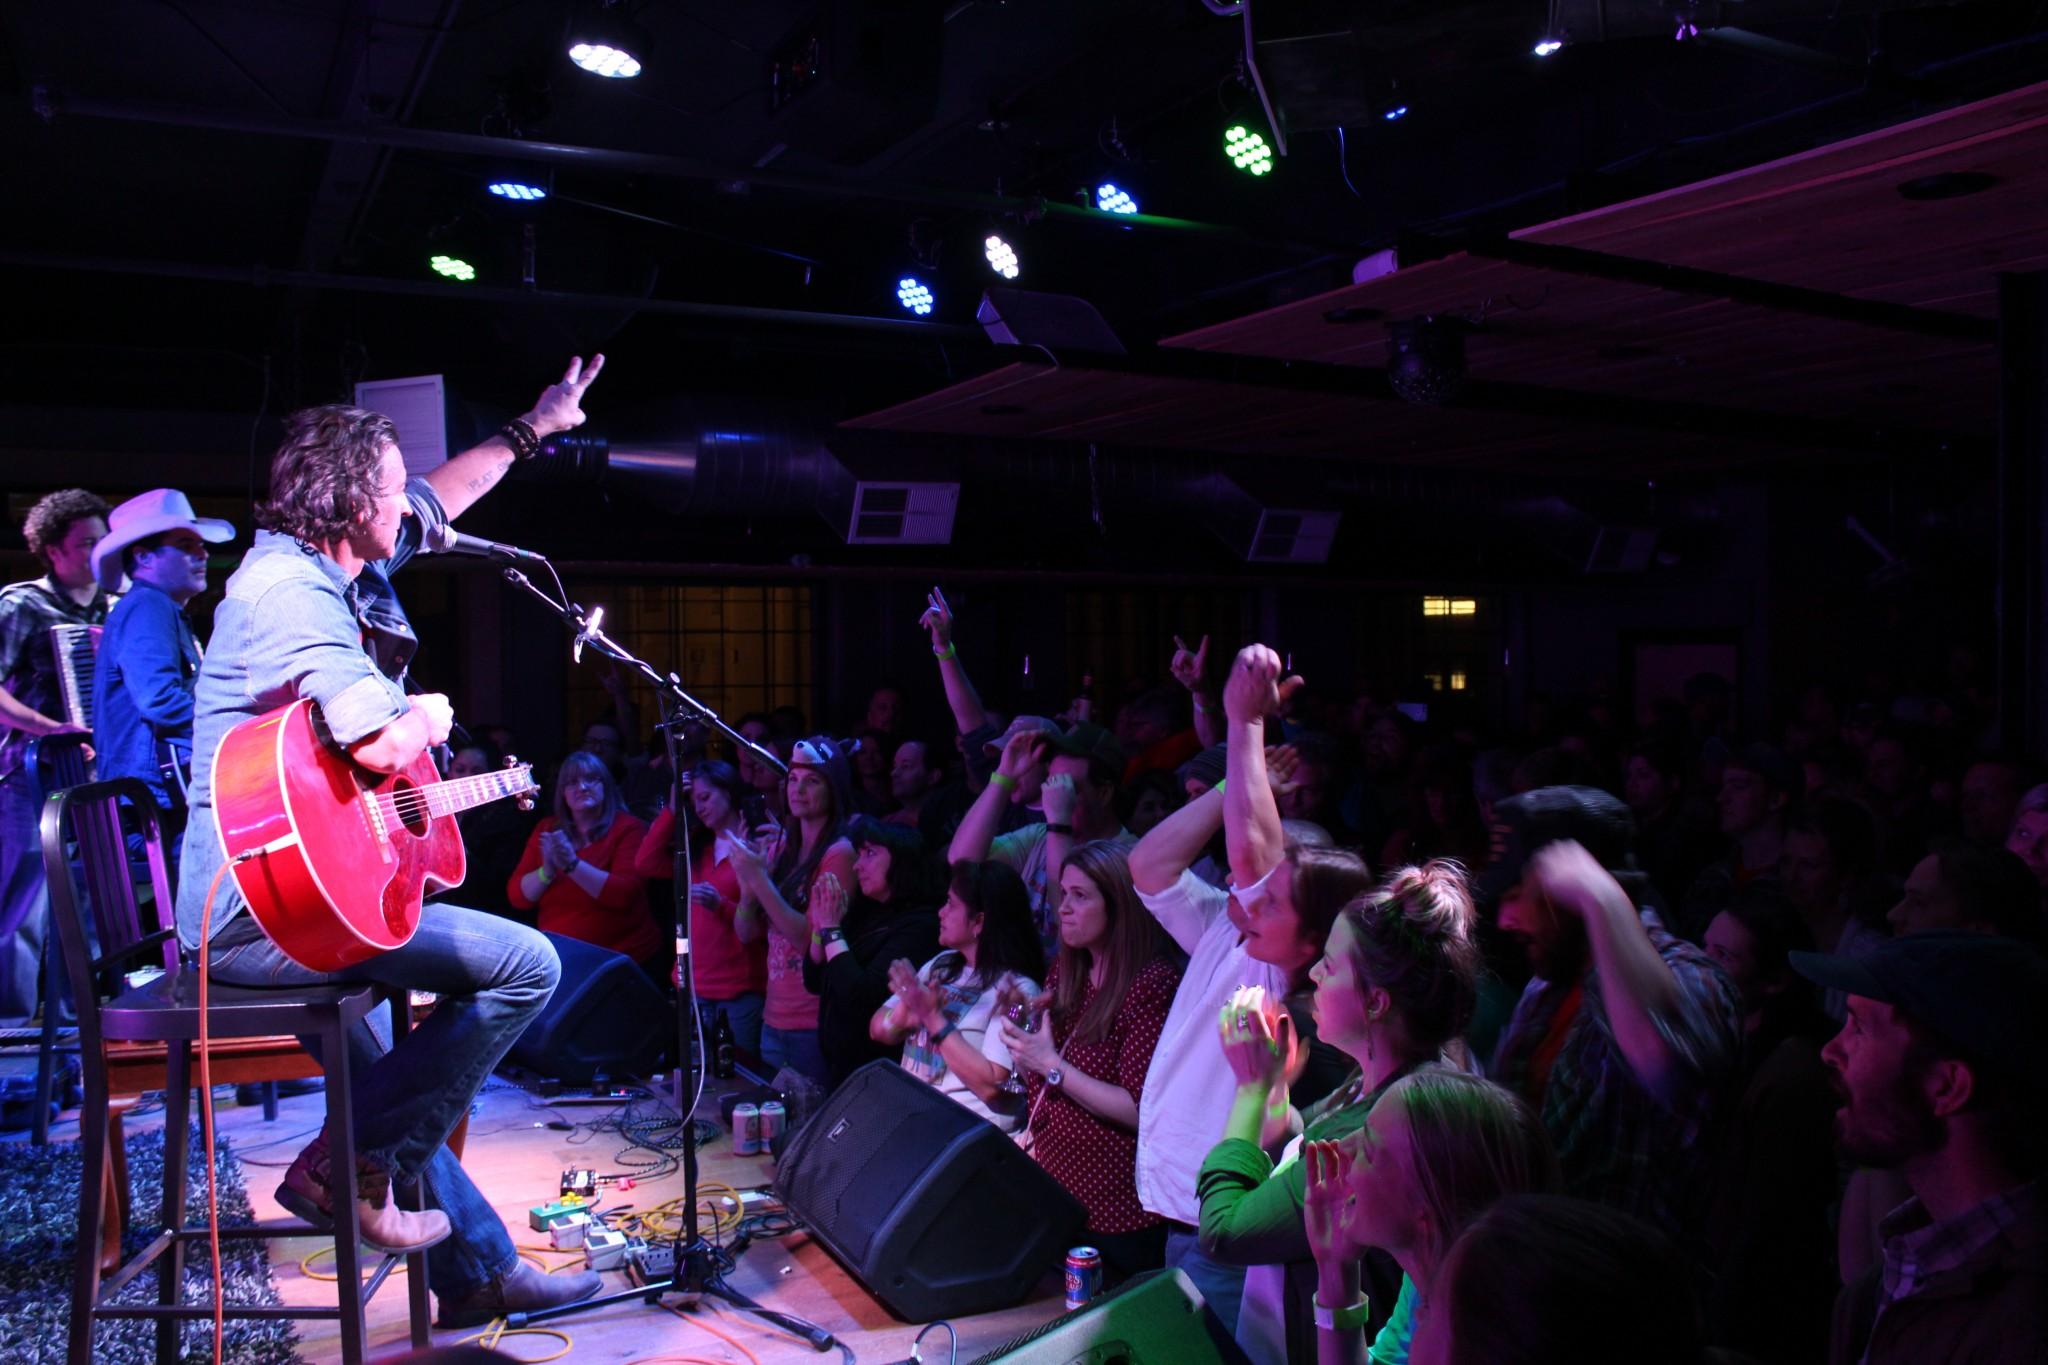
<point x="1450" y="606"/>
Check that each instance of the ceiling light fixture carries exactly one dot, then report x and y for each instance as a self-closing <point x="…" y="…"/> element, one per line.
<point x="1111" y="198"/>
<point x="1001" y="257"/>
<point x="517" y="190"/>
<point x="915" y="295"/>
<point x="1247" y="150"/>
<point x="1547" y="45"/>
<point x="604" y="42"/>
<point x="451" y="267"/>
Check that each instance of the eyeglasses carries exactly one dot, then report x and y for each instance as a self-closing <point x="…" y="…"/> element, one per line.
<point x="581" y="782"/>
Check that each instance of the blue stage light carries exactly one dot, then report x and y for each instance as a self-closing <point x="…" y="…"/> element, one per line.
<point x="915" y="295"/>
<point x="1112" y="199"/>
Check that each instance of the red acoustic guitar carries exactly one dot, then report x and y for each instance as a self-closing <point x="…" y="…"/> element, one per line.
<point x="342" y="855"/>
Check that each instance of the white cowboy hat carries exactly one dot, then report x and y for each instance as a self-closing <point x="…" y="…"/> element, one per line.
<point x="145" y="515"/>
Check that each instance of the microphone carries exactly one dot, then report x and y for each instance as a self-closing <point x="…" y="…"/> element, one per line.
<point x="446" y="540"/>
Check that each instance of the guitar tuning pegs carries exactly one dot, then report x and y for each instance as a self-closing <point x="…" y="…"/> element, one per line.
<point x="524" y="800"/>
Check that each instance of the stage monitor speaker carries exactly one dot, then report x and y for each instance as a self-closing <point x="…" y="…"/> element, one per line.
<point x="935" y="1210"/>
<point x="605" y="1015"/>
<point x="1155" y="1319"/>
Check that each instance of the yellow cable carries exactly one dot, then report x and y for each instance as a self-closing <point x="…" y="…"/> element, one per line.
<point x="306" y="1264"/>
<point x="498" y="1331"/>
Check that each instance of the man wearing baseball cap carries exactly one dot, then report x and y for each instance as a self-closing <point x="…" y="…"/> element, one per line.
<point x="1625" y="1034"/>
<point x="149" y="657"/>
<point x="1939" y="1070"/>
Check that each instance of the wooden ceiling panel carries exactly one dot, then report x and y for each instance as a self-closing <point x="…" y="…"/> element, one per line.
<point x="1830" y="220"/>
<point x="1034" y="401"/>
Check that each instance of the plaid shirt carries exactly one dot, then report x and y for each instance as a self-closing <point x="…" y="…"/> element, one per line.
<point x="1917" y="1249"/>
<point x="28" y="667"/>
<point x="1618" y="1143"/>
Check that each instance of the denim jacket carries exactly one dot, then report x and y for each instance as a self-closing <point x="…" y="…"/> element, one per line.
<point x="294" y="625"/>
<point x="142" y="688"/>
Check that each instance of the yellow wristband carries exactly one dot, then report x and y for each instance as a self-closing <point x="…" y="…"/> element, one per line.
<point x="1002" y="780"/>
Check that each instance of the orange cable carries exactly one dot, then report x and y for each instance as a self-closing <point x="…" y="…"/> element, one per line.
<point x="733" y="1342"/>
<point x="206" y="1122"/>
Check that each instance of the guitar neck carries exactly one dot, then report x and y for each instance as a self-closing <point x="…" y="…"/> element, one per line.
<point x="459" y="794"/>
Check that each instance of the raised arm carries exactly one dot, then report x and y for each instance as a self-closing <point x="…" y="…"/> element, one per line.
<point x="961" y="697"/>
<point x="1671" y="1043"/>
<point x="984" y="819"/>
<point x="1251" y="816"/>
<point x="460" y="481"/>
<point x="1190" y="668"/>
<point x="1170" y="847"/>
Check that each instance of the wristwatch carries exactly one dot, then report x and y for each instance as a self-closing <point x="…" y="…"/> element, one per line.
<point x="1055" y="1077"/>
<point x="1058" y="827"/>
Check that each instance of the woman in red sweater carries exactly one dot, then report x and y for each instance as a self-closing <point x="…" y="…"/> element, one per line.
<point x="728" y="935"/>
<point x="578" y="867"/>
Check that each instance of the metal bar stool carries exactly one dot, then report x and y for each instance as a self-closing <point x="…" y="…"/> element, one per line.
<point x="114" y="1010"/>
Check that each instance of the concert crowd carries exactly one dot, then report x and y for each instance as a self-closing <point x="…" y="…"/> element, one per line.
<point x="1617" y="1038"/>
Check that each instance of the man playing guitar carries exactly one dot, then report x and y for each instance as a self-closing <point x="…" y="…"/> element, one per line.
<point x="301" y="619"/>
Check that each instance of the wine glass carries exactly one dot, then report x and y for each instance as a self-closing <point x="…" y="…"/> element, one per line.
<point x="1015" y="1005"/>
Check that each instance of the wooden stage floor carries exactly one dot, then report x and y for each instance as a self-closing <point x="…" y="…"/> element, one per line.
<point x="517" y="1159"/>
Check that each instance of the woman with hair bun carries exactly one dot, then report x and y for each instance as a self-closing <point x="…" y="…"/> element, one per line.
<point x="1394" y="988"/>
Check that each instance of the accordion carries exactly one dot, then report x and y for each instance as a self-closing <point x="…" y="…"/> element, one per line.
<point x="77" y="650"/>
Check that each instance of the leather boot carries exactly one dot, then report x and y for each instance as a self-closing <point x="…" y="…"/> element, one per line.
<point x="524" y="1289"/>
<point x="382" y="1225"/>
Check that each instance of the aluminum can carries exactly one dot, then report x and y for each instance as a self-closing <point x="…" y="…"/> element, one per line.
<point x="746" y="1130"/>
<point x="1084" y="1276"/>
<point x="774" y="1122"/>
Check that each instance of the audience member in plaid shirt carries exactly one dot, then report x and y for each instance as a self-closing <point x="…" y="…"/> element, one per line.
<point x="1625" y="1035"/>
<point x="1939" y="1068"/>
<point x="62" y="530"/>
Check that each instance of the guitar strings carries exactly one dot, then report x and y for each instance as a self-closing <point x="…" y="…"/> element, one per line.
<point x="415" y="801"/>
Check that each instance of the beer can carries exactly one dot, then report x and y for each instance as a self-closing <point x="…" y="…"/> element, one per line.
<point x="746" y="1130"/>
<point x="1084" y="1276"/>
<point x="774" y="1122"/>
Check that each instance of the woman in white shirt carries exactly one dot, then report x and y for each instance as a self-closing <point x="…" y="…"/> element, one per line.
<point x="944" y="1013"/>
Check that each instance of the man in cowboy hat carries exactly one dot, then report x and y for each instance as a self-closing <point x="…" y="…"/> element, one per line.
<point x="149" y="657"/>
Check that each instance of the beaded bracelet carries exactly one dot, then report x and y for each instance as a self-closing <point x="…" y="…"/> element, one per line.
<point x="520" y="435"/>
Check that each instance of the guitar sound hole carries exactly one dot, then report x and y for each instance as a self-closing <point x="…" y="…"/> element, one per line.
<point x="410" y="806"/>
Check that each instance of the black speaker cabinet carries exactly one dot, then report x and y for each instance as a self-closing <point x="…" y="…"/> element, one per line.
<point x="936" y="1211"/>
<point x="605" y="1015"/>
<point x="1155" y="1319"/>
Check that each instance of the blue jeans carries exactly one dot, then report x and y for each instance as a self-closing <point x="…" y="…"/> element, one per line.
<point x="493" y="976"/>
<point x="1222" y="1285"/>
<point x="24" y="897"/>
<point x="795" y="1048"/>
<point x="743" y="1012"/>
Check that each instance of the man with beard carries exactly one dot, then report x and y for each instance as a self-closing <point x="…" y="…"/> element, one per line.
<point x="1939" y="1072"/>
<point x="1625" y="1035"/>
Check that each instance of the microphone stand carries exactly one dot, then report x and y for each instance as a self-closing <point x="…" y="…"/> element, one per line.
<point x="700" y="1266"/>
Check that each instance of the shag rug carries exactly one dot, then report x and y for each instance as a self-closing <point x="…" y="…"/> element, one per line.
<point x="38" y="1231"/>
